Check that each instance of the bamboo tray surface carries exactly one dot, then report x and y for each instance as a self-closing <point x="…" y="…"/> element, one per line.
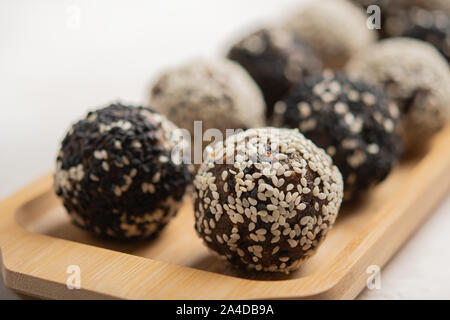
<point x="38" y="243"/>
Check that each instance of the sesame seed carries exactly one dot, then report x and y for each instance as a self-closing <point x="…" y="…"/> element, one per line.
<point x="261" y="231"/>
<point x="340" y="108"/>
<point x="292" y="243"/>
<point x="254" y="237"/>
<point x="303" y="182"/>
<point x="163" y="159"/>
<point x="373" y="148"/>
<point x="224" y="175"/>
<point x="105" y="166"/>
<point x="304" y="109"/>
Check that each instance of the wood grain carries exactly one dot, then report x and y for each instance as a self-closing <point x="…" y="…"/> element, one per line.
<point x="38" y="243"/>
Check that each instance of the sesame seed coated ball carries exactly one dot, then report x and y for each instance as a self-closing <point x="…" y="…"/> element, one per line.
<point x="416" y="77"/>
<point x="115" y="173"/>
<point x="276" y="60"/>
<point x="335" y="29"/>
<point x="353" y="121"/>
<point x="218" y="92"/>
<point x="265" y="198"/>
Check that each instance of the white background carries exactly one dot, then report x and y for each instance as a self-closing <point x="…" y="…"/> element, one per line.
<point x="53" y="70"/>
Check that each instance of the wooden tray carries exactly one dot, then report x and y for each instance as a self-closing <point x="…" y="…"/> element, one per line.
<point x="38" y="243"/>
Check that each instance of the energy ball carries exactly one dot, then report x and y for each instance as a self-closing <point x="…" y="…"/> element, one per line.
<point x="353" y="121"/>
<point x="335" y="29"/>
<point x="416" y="77"/>
<point x="276" y="60"/>
<point x="430" y="26"/>
<point x="219" y="92"/>
<point x="265" y="199"/>
<point x="115" y="173"/>
<point x="427" y="20"/>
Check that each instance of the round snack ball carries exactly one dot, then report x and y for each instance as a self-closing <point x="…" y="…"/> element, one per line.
<point x="416" y="77"/>
<point x="115" y="172"/>
<point x="335" y="29"/>
<point x="430" y="26"/>
<point x="427" y="20"/>
<point x="218" y="92"/>
<point x="353" y="121"/>
<point x="276" y="60"/>
<point x="266" y="198"/>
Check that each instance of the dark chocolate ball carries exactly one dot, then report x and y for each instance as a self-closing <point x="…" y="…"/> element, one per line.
<point x="353" y="121"/>
<point x="276" y="60"/>
<point x="426" y="25"/>
<point x="266" y="198"/>
<point x="426" y="20"/>
<point x="116" y="175"/>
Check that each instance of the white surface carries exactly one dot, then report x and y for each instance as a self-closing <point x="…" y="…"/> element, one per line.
<point x="52" y="72"/>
